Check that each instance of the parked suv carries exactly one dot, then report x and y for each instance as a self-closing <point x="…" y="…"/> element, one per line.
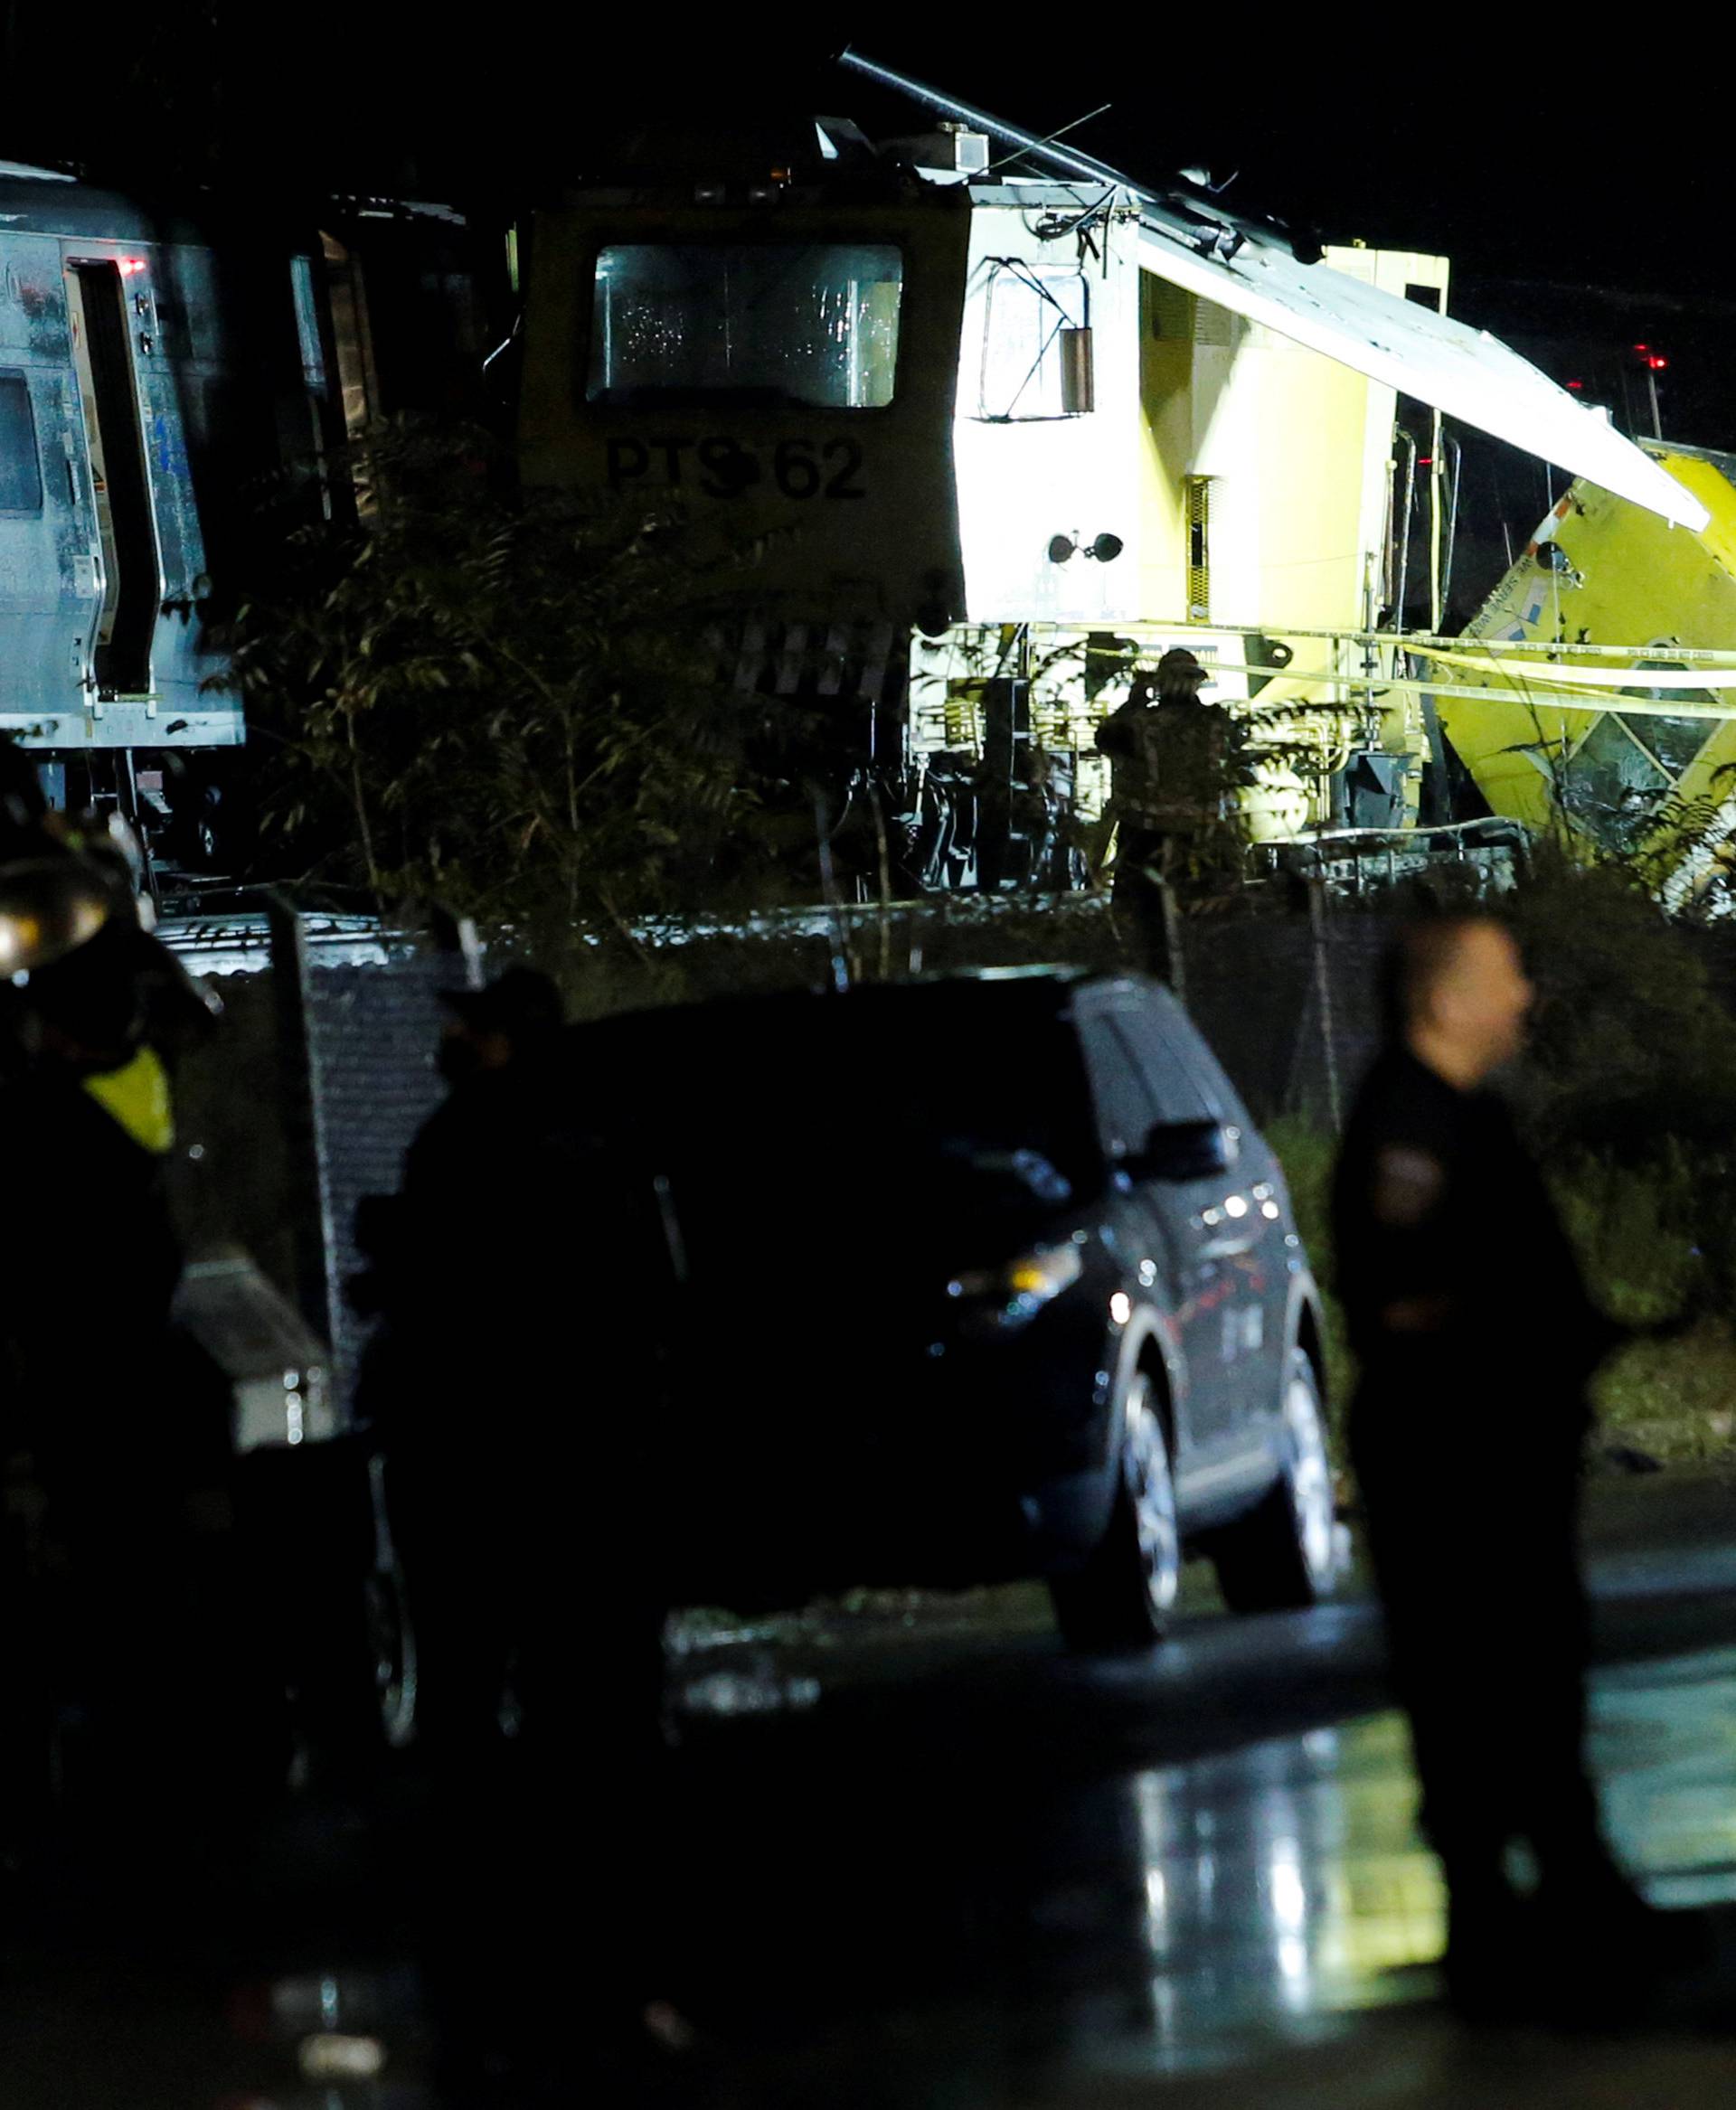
<point x="969" y="1279"/>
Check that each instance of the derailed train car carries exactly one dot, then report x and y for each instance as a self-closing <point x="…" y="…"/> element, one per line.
<point x="176" y="389"/>
<point x="1594" y="692"/>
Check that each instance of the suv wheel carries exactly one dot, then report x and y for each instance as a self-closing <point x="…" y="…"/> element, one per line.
<point x="1284" y="1554"/>
<point x="1122" y="1598"/>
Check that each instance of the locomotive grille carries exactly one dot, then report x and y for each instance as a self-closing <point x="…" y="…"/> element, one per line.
<point x="852" y="661"/>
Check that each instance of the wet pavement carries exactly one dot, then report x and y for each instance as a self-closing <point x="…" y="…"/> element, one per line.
<point x="916" y="1856"/>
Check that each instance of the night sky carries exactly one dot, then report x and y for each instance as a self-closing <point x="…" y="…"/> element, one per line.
<point x="1541" y="166"/>
<point x="1512" y="154"/>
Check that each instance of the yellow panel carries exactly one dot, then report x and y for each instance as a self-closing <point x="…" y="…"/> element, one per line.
<point x="1631" y="580"/>
<point x="1314" y="422"/>
<point x="1166" y="428"/>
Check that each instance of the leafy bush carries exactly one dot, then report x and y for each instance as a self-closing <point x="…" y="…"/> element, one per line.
<point x="517" y="704"/>
<point x="1629" y="1043"/>
<point x="1308" y="1155"/>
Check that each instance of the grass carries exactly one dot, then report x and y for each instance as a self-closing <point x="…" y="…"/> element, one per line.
<point x="1674" y="1400"/>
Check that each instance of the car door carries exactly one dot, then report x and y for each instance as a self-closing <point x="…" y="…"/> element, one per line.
<point x="1154" y="1223"/>
<point x="1245" y="1243"/>
<point x="1201" y="1229"/>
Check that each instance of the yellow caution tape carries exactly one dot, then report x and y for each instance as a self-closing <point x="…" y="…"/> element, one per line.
<point x="1596" y="677"/>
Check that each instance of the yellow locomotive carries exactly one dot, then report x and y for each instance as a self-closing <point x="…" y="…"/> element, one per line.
<point x="1008" y="425"/>
<point x="1592" y="693"/>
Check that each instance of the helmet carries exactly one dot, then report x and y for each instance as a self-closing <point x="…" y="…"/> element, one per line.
<point x="48" y="908"/>
<point x="1180" y="675"/>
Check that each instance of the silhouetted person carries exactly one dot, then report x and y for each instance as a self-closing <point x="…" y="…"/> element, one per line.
<point x="1177" y="763"/>
<point x="117" y="1427"/>
<point x="463" y="1383"/>
<point x="1476" y="1339"/>
<point x="524" y="1279"/>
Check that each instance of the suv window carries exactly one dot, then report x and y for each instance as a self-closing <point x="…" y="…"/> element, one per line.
<point x="1126" y="1110"/>
<point x="1178" y="1081"/>
<point x="917" y="1126"/>
<point x="1189" y="1044"/>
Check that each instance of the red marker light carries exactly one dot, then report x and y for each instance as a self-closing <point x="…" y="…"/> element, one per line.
<point x="130" y="265"/>
<point x="1576" y="384"/>
<point x="1642" y="347"/>
<point x="1656" y="364"/>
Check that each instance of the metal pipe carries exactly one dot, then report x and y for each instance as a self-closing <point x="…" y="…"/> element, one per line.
<point x="1458" y="458"/>
<point x="1402" y="584"/>
<point x="1562" y="694"/>
<point x="1068" y="159"/>
<point x="1170" y="215"/>
<point x="1078" y="382"/>
<point x="1437" y="484"/>
<point x="1416" y="831"/>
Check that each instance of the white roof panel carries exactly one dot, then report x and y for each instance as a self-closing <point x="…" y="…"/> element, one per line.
<point x="1188" y="239"/>
<point x="1445" y="363"/>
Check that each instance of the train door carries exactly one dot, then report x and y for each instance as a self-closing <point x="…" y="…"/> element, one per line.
<point x="132" y="567"/>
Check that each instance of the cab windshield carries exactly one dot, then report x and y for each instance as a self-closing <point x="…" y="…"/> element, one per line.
<point x="807" y="323"/>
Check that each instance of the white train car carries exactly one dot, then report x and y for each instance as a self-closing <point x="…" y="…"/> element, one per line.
<point x="175" y="394"/>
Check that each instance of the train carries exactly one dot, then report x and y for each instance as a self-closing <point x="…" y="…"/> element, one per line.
<point x="179" y="390"/>
<point x="1592" y="693"/>
<point x="1007" y="423"/>
<point x="1013" y="425"/>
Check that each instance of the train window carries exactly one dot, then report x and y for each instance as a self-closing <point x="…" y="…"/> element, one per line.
<point x="1029" y="307"/>
<point x="21" y="470"/>
<point x="812" y="323"/>
<point x="1673" y="742"/>
<point x="1612" y="787"/>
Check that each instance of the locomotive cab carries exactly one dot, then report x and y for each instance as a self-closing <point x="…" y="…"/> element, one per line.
<point x="992" y="464"/>
<point x="776" y="357"/>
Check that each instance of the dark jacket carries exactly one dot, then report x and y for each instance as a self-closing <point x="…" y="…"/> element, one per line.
<point x="88" y="1266"/>
<point x="1175" y="763"/>
<point x="1459" y="1287"/>
<point x="510" y="1273"/>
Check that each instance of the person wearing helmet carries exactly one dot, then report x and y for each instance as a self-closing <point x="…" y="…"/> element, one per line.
<point x="1178" y="763"/>
<point x="90" y="1003"/>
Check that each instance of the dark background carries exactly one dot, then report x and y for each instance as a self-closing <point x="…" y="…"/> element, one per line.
<point x="1519" y="152"/>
